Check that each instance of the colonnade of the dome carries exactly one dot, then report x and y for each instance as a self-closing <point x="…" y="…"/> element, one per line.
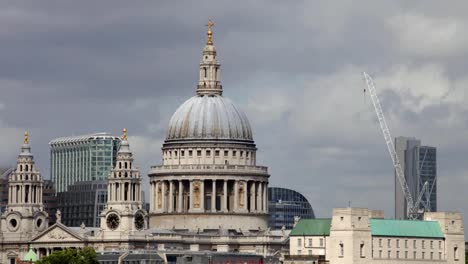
<point x="208" y="195"/>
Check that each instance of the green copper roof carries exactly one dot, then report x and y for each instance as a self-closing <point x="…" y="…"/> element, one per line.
<point x="30" y="256"/>
<point x="312" y="227"/>
<point x="405" y="228"/>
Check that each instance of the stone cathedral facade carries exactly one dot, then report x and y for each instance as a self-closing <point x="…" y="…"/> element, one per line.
<point x="208" y="194"/>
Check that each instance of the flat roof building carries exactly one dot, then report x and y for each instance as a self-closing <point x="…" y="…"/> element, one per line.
<point x="419" y="164"/>
<point x="82" y="158"/>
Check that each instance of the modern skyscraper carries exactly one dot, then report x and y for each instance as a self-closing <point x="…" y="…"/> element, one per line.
<point x="419" y="164"/>
<point x="285" y="204"/>
<point x="82" y="158"/>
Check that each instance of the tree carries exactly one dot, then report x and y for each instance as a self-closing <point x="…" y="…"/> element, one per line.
<point x="72" y="256"/>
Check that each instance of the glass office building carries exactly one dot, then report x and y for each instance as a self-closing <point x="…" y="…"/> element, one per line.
<point x="83" y="203"/>
<point x="82" y="158"/>
<point x="284" y="204"/>
<point x="419" y="164"/>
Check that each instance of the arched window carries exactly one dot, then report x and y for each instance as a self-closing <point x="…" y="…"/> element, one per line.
<point x="21" y="167"/>
<point x="204" y="72"/>
<point x="26" y="167"/>
<point x="125" y="164"/>
<point x="120" y="165"/>
<point x="125" y="174"/>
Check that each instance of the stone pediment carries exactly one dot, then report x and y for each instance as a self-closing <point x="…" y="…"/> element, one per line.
<point x="57" y="233"/>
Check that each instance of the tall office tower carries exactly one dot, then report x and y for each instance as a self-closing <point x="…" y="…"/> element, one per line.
<point x="82" y="158"/>
<point x="419" y="164"/>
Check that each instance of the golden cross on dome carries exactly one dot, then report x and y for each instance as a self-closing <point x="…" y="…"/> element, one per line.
<point x="210" y="33"/>
<point x="26" y="137"/>
<point x="124" y="134"/>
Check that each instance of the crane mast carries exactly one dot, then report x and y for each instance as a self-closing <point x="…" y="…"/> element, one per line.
<point x="411" y="207"/>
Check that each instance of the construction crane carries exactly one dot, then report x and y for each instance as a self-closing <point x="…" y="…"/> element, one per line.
<point x="412" y="207"/>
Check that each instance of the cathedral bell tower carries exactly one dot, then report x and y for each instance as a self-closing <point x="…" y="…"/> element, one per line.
<point x="24" y="213"/>
<point x="124" y="212"/>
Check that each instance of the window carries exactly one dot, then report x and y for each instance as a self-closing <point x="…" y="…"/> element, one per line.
<point x="234" y="153"/>
<point x="389" y="245"/>
<point x="440" y="244"/>
<point x="414" y="244"/>
<point x="247" y="154"/>
<point x="226" y="153"/>
<point x="310" y="252"/>
<point x="182" y="153"/>
<point x="299" y="252"/>
<point x="217" y="153"/>
<point x="175" y="153"/>
<point x="414" y="254"/>
<point x="423" y="255"/>
<point x="341" y="249"/>
<point x="406" y="254"/>
<point x="398" y="254"/>
<point x="242" y="154"/>
<point x="440" y="255"/>
<point x="423" y="244"/>
<point x="198" y="153"/>
<point x="380" y="253"/>
<point x="432" y="255"/>
<point x="208" y="153"/>
<point x="299" y="242"/>
<point x="321" y="242"/>
<point x="380" y="242"/>
<point x="432" y="244"/>
<point x="406" y="243"/>
<point x="455" y="253"/>
<point x="361" y="250"/>
<point x="398" y="243"/>
<point x="388" y="254"/>
<point x="190" y="153"/>
<point x="342" y="218"/>
<point x="310" y="242"/>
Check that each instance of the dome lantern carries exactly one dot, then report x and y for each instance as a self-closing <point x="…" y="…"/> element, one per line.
<point x="209" y="83"/>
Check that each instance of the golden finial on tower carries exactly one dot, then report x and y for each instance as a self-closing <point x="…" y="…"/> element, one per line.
<point x="210" y="33"/>
<point x="26" y="137"/>
<point x="124" y="134"/>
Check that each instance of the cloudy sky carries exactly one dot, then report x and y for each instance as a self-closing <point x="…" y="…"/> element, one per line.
<point x="294" y="67"/>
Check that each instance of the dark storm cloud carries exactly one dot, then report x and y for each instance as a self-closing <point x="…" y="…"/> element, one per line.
<point x="74" y="67"/>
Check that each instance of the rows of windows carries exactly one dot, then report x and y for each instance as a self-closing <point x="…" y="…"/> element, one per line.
<point x="409" y="255"/>
<point x="406" y="242"/>
<point x="309" y="242"/>
<point x="208" y="153"/>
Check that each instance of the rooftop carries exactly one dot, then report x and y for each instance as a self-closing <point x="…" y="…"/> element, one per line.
<point x="82" y="138"/>
<point x="312" y="227"/>
<point x="405" y="228"/>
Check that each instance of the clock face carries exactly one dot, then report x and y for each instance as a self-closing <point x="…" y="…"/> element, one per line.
<point x="139" y="221"/>
<point x="113" y="221"/>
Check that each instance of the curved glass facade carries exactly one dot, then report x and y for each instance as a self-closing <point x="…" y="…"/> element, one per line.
<point x="284" y="204"/>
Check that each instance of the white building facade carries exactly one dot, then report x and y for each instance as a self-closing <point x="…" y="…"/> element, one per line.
<point x="353" y="235"/>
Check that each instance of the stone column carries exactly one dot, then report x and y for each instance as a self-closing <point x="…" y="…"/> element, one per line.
<point x="265" y="197"/>
<point x="213" y="196"/>
<point x="225" y="196"/>
<point x="151" y="196"/>
<point x="181" y="197"/>
<point x="246" y="197"/>
<point x="202" y="195"/>
<point x="156" y="196"/>
<point x="236" y="195"/>
<point x="252" y="197"/>
<point x="191" y="196"/>
<point x="171" y="197"/>
<point x="163" y="193"/>
<point x="259" y="197"/>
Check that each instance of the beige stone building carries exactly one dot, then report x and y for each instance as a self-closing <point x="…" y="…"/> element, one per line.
<point x="356" y="235"/>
